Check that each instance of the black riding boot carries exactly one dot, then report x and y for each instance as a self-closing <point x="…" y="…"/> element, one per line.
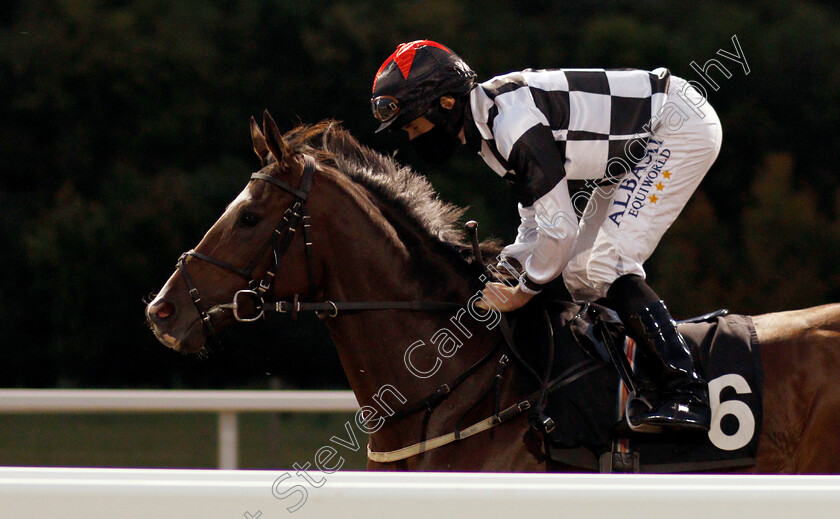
<point x="684" y="394"/>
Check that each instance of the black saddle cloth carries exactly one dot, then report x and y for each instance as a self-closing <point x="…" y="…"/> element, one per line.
<point x="586" y="411"/>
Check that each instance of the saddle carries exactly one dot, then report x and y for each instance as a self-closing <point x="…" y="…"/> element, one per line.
<point x="596" y="372"/>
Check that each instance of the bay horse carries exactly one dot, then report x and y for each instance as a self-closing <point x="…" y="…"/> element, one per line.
<point x="330" y="225"/>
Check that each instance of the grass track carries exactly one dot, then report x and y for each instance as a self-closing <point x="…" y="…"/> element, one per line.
<point x="266" y="441"/>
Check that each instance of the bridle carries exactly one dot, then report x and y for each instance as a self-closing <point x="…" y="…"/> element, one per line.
<point x="279" y="242"/>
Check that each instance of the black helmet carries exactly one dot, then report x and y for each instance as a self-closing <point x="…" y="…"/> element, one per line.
<point x="413" y="78"/>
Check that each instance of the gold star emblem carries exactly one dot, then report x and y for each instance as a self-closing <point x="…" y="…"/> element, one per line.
<point x="666" y="174"/>
<point x="660" y="186"/>
<point x="653" y="199"/>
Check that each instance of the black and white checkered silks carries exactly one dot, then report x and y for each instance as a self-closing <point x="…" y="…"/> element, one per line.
<point x="538" y="128"/>
<point x="592" y="114"/>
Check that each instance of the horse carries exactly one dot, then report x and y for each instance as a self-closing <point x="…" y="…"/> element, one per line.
<point x="330" y="225"/>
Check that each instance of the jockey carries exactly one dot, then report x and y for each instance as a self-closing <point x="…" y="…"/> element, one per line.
<point x="641" y="140"/>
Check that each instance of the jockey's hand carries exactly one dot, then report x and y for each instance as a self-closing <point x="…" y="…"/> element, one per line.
<point x="513" y="298"/>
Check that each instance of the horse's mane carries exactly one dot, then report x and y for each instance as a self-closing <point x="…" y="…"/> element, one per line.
<point x="394" y="184"/>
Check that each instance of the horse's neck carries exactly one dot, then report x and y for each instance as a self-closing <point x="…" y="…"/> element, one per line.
<point x="368" y="260"/>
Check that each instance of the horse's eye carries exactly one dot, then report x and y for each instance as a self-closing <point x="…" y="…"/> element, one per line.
<point x="249" y="219"/>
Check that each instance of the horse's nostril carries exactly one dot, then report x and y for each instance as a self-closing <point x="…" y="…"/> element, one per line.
<point x="165" y="310"/>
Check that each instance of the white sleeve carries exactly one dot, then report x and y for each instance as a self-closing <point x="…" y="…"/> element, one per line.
<point x="549" y="238"/>
<point x="548" y="230"/>
<point x="526" y="236"/>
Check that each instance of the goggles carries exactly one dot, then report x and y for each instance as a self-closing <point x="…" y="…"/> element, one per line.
<point x="385" y="108"/>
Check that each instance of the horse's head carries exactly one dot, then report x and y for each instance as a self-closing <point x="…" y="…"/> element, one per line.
<point x="382" y="234"/>
<point x="256" y="245"/>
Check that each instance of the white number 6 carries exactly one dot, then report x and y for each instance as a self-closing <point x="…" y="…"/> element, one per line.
<point x="737" y="408"/>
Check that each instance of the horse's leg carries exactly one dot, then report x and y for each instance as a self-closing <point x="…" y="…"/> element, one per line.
<point x="800" y="353"/>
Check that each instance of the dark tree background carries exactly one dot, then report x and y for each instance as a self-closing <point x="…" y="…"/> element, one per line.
<point x="123" y="134"/>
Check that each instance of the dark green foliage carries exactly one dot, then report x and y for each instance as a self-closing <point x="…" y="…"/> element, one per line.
<point x="123" y="134"/>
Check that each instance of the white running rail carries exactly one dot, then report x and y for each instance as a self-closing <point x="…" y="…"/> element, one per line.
<point x="227" y="404"/>
<point x="40" y="493"/>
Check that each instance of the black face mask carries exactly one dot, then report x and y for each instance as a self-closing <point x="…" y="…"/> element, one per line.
<point x="435" y="146"/>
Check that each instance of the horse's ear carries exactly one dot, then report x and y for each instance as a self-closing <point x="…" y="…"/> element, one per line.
<point x="258" y="139"/>
<point x="274" y="139"/>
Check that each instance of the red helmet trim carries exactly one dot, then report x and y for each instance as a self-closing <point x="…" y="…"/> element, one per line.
<point x="404" y="57"/>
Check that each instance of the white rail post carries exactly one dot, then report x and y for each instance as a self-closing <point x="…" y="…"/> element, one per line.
<point x="228" y="440"/>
